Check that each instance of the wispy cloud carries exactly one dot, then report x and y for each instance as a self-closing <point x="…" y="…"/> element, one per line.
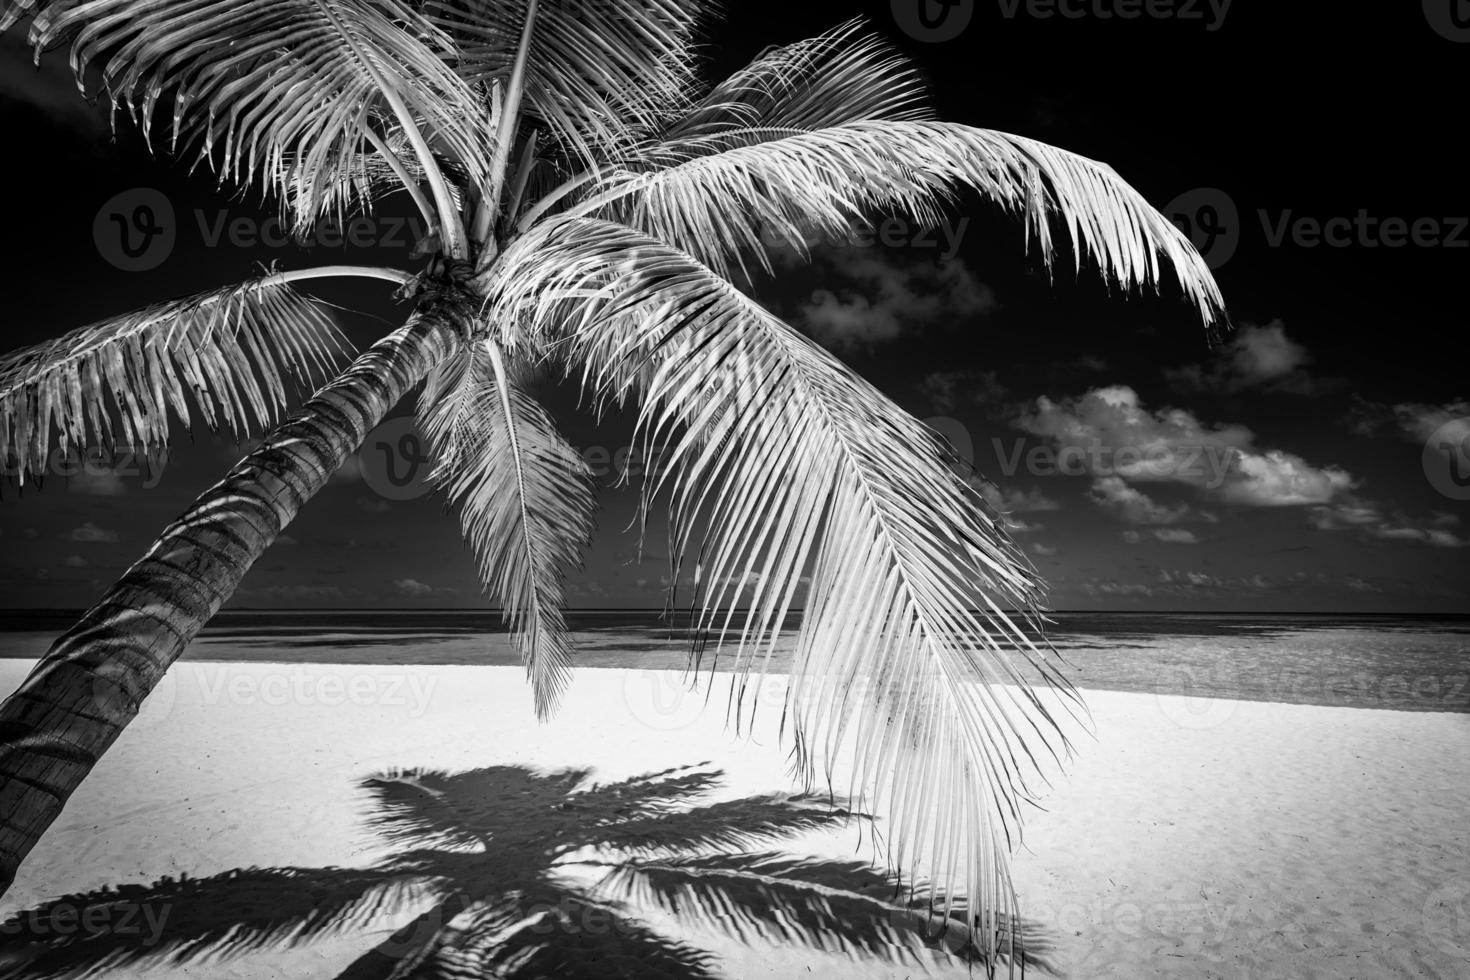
<point x="879" y="299"/>
<point x="1257" y="357"/>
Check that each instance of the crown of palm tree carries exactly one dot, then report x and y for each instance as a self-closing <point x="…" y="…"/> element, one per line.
<point x="592" y="212"/>
<point x="524" y="874"/>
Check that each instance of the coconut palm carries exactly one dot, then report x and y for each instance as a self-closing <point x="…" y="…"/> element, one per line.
<point x="523" y="874"/>
<point x="593" y="208"/>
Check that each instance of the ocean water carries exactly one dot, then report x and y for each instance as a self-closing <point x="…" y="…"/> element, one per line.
<point x="1409" y="663"/>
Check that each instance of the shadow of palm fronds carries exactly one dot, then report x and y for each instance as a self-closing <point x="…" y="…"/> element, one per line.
<point x="518" y="874"/>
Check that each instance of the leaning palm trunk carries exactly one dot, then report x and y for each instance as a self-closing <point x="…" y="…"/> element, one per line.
<point x="88" y="687"/>
<point x="595" y="206"/>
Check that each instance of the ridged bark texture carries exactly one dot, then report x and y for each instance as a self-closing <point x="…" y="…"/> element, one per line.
<point x="89" y="685"/>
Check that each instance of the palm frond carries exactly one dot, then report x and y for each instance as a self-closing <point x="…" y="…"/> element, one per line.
<point x="231" y="353"/>
<point x="741" y="202"/>
<point x="783" y="464"/>
<point x="843" y="76"/>
<point x="191" y="919"/>
<point x="600" y="76"/>
<point x="525" y="498"/>
<point x="275" y="92"/>
<point x="837" y="906"/>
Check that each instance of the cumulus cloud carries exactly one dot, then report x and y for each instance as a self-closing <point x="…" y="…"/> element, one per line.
<point x="1259" y="357"/>
<point x="1132" y="505"/>
<point x="881" y="299"/>
<point x="418" y="589"/>
<point x="90" y="533"/>
<point x="1278" y="479"/>
<point x="1110" y="435"/>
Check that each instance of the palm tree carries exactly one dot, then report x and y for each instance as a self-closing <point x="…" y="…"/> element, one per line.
<point x="592" y="206"/>
<point x="521" y="875"/>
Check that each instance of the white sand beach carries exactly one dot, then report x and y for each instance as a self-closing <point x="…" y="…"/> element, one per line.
<point x="1189" y="839"/>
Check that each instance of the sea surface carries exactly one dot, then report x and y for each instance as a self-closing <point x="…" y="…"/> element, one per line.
<point x="1409" y="663"/>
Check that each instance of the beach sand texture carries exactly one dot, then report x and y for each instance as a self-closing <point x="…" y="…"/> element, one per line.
<point x="1188" y="839"/>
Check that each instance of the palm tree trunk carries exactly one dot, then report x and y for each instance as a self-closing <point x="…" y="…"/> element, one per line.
<point x="80" y="696"/>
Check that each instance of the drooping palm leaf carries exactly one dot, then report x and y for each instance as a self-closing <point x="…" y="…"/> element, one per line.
<point x="729" y="206"/>
<point x="232" y="354"/>
<point x="782" y="463"/>
<point x="172" y="919"/>
<point x="276" y="92"/>
<point x="525" y="498"/>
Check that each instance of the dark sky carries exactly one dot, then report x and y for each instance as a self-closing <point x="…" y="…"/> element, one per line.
<point x="1285" y="469"/>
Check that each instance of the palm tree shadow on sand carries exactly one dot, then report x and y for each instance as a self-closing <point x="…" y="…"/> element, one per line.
<point x="524" y="874"/>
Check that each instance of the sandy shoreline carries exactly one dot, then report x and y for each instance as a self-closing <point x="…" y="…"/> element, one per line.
<point x="1228" y="839"/>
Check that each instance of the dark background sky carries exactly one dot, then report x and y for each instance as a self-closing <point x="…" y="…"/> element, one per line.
<point x="1346" y="356"/>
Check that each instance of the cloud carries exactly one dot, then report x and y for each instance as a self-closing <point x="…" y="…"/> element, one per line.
<point x="1414" y="421"/>
<point x="296" y="593"/>
<point x="1110" y="435"/>
<point x="90" y="533"/>
<point x="1015" y="501"/>
<point x="1278" y="479"/>
<point x="1044" y="550"/>
<point x="1129" y="504"/>
<point x="97" y="483"/>
<point x="413" y="587"/>
<point x="51" y="90"/>
<point x="1256" y="357"/>
<point x="947" y="390"/>
<point x="1368" y="519"/>
<point x="1167" y="535"/>
<point x="75" y="561"/>
<point x="881" y="299"/>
